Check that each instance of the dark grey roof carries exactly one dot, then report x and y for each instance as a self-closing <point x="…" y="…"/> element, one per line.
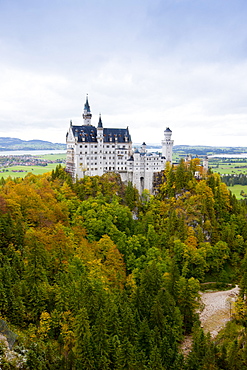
<point x="89" y="133"/>
<point x="168" y="130"/>
<point x="119" y="133"/>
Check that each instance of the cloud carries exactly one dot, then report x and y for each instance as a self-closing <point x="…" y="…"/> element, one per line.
<point x="28" y="95"/>
<point x="145" y="64"/>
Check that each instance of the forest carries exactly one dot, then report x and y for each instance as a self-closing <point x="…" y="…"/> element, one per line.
<point x="231" y="180"/>
<point x="96" y="276"/>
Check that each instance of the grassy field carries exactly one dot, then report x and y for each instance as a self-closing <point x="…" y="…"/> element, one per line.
<point x="52" y="157"/>
<point x="236" y="189"/>
<point x="229" y="168"/>
<point x="36" y="170"/>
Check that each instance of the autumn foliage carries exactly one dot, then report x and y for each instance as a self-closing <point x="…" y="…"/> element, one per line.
<point x="96" y="276"/>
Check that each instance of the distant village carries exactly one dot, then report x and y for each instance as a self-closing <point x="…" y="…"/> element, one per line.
<point x="24" y="160"/>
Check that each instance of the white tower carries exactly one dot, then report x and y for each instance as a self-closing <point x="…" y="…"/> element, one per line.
<point x="143" y="148"/>
<point x="205" y="163"/>
<point x="87" y="115"/>
<point x="167" y="145"/>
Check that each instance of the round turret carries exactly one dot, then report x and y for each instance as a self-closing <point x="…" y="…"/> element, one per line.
<point x="167" y="145"/>
<point x="168" y="134"/>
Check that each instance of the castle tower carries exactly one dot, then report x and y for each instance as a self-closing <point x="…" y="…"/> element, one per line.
<point x="167" y="145"/>
<point x="87" y="115"/>
<point x="143" y="148"/>
<point x="205" y="163"/>
<point x="100" y="140"/>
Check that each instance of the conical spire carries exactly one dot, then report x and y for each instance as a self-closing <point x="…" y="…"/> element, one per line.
<point x="87" y="106"/>
<point x="100" y="125"/>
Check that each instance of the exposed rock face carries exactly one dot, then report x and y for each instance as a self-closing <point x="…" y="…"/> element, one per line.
<point x="218" y="308"/>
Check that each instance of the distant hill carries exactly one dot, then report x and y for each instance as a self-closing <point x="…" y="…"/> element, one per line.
<point x="9" y="143"/>
<point x="207" y="150"/>
<point x="194" y="150"/>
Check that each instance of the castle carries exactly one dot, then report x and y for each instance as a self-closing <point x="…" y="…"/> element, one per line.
<point x="93" y="151"/>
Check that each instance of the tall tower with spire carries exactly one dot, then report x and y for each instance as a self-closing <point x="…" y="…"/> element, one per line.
<point x="167" y="145"/>
<point x="87" y="115"/>
<point x="100" y="139"/>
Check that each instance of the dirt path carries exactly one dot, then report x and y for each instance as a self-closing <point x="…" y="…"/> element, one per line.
<point x="216" y="311"/>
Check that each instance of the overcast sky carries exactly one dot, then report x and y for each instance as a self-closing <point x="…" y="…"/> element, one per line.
<point x="146" y="64"/>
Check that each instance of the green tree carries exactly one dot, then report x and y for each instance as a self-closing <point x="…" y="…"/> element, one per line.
<point x="83" y="347"/>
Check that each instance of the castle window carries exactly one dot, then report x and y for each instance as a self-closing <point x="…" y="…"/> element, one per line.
<point x="80" y="146"/>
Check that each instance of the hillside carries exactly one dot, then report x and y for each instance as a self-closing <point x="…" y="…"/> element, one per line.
<point x="8" y="143"/>
<point x="94" y="276"/>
